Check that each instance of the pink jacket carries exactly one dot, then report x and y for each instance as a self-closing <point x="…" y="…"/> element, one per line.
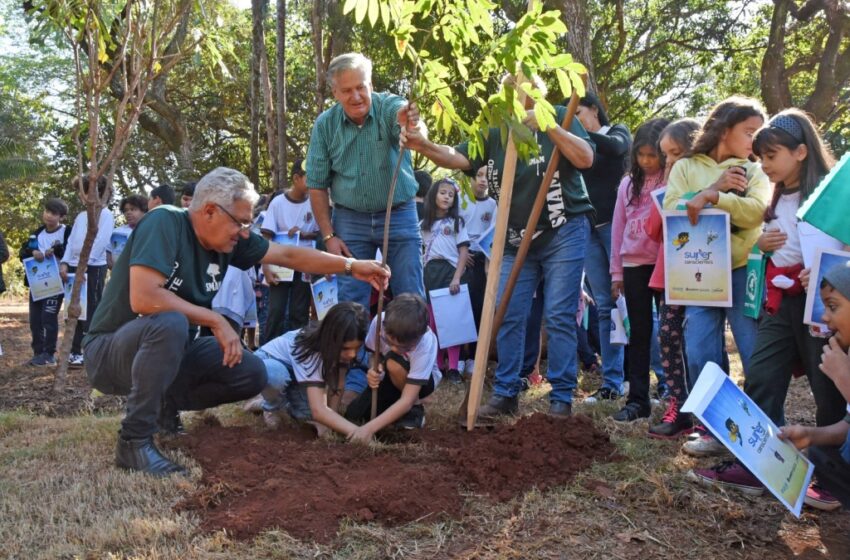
<point x="655" y="230"/>
<point x="629" y="241"/>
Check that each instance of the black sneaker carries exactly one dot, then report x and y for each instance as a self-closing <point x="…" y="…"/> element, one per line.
<point x="413" y="420"/>
<point x="603" y="394"/>
<point x="454" y="377"/>
<point x="499" y="406"/>
<point x="143" y="456"/>
<point x="630" y="413"/>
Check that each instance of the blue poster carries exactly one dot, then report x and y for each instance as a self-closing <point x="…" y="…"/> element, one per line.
<point x="824" y="260"/>
<point x="43" y="278"/>
<point x="735" y="420"/>
<point x="486" y="241"/>
<point x="325" y="295"/>
<point x="84" y="300"/>
<point x="117" y="242"/>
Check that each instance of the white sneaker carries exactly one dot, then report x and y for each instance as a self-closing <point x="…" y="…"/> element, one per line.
<point x="254" y="405"/>
<point x="272" y="419"/>
<point x="704" y="446"/>
<point x="468" y="367"/>
<point x="75" y="361"/>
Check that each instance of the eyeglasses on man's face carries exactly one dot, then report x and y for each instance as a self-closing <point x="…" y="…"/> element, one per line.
<point x="243" y="226"/>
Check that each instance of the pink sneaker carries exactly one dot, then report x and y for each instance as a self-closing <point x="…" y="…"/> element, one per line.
<point x="728" y="474"/>
<point x="819" y="498"/>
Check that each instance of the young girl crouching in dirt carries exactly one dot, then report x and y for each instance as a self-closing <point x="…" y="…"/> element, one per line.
<point x="314" y="360"/>
<point x="408" y="369"/>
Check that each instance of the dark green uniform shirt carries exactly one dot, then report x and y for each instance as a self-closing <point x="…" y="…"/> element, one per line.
<point x="165" y="241"/>
<point x="567" y="195"/>
<point x="356" y="162"/>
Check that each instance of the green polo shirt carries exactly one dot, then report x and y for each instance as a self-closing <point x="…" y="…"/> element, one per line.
<point x="567" y="195"/>
<point x="165" y="241"/>
<point x="357" y="162"/>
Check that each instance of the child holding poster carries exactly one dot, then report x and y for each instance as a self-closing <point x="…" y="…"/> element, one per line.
<point x="829" y="446"/>
<point x="719" y="171"/>
<point x="446" y="250"/>
<point x="633" y="256"/>
<point x="46" y="242"/>
<point x="795" y="159"/>
<point x="289" y="215"/>
<point x="133" y="208"/>
<point x="479" y="218"/>
<point x="676" y="140"/>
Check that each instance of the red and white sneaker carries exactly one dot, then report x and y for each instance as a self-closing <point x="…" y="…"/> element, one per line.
<point x="728" y="474"/>
<point x="819" y="498"/>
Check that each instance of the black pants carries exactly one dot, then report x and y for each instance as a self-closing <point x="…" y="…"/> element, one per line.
<point x="360" y="409"/>
<point x="95" y="280"/>
<point x="44" y="324"/>
<point x="782" y="343"/>
<point x="639" y="298"/>
<point x="151" y="358"/>
<point x="832" y="472"/>
<point x="289" y="307"/>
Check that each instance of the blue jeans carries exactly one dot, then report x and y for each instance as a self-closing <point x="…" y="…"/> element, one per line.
<point x="705" y="326"/>
<point x="596" y="268"/>
<point x="532" y="333"/>
<point x="560" y="263"/>
<point x="363" y="233"/>
<point x="281" y="391"/>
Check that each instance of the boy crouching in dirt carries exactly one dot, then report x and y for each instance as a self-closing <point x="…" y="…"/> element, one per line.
<point x="829" y="446"/>
<point x="407" y="372"/>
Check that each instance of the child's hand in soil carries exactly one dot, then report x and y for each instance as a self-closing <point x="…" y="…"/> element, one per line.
<point x="835" y="362"/>
<point x="361" y="434"/>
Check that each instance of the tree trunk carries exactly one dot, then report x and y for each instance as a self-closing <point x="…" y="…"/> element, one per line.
<point x="774" y="83"/>
<point x="578" y="35"/>
<point x="316" y="17"/>
<point x="281" y="96"/>
<point x="257" y="46"/>
<point x="271" y="118"/>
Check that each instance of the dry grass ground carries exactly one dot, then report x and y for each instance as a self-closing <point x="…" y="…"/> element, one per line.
<point x="61" y="498"/>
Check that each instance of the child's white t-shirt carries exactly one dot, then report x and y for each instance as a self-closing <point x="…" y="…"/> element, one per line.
<point x="791" y="253"/>
<point x="102" y="242"/>
<point x="284" y="213"/>
<point x="282" y="348"/>
<point x="47" y="239"/>
<point x="422" y="359"/>
<point x="479" y="216"/>
<point x="235" y="296"/>
<point x="441" y="242"/>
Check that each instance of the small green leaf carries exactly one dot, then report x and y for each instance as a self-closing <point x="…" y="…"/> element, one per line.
<point x="348" y="6"/>
<point x="360" y="10"/>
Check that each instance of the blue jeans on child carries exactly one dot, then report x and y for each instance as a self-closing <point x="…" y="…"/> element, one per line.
<point x="363" y="234"/>
<point x="560" y="263"/>
<point x="596" y="267"/>
<point x="282" y="392"/>
<point x="705" y="329"/>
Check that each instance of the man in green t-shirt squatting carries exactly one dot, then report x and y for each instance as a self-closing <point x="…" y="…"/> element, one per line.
<point x="556" y="254"/>
<point x="164" y="281"/>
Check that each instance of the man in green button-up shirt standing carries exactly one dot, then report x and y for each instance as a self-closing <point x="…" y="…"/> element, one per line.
<point x="353" y="151"/>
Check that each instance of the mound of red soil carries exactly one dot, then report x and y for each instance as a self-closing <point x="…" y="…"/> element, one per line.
<point x="254" y="481"/>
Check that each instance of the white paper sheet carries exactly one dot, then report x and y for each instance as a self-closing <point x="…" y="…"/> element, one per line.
<point x="453" y="316"/>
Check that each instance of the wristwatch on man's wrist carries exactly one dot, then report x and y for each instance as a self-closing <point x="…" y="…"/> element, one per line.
<point x="328" y="236"/>
<point x="349" y="262"/>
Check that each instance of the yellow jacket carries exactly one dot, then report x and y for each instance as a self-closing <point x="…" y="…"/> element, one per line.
<point x="746" y="213"/>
